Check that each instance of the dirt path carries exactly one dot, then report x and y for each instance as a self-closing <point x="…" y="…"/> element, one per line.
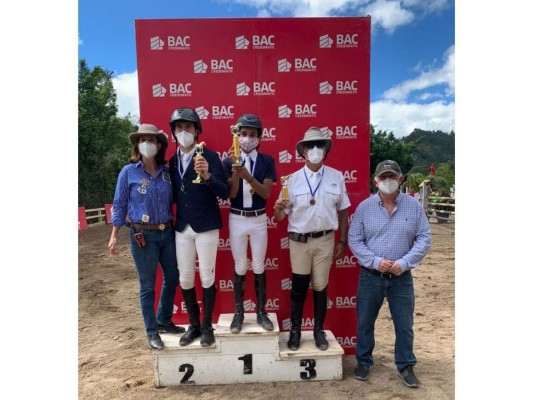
<point x="115" y="363"/>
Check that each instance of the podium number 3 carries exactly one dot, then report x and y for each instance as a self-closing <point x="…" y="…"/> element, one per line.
<point x="309" y="365"/>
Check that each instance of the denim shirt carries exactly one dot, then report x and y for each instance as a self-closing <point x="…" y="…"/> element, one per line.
<point x="404" y="236"/>
<point x="142" y="197"/>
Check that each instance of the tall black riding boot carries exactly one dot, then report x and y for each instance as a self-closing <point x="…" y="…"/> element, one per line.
<point x="320" y="300"/>
<point x="208" y="337"/>
<point x="238" y="292"/>
<point x="189" y="296"/>
<point x="260" y="292"/>
<point x="300" y="284"/>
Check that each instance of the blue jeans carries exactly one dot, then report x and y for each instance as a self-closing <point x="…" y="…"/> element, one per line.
<point x="160" y="248"/>
<point x="400" y="295"/>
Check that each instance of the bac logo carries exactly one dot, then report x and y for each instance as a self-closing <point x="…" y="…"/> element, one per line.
<point x="222" y="112"/>
<point x="346" y="341"/>
<point x="156" y="43"/>
<point x="202" y="112"/>
<point x="158" y="90"/>
<point x="350" y="176"/>
<point x="272" y="223"/>
<point x="284" y="243"/>
<point x="199" y="67"/>
<point x="284" y="65"/>
<point x="284" y="157"/>
<point x="223" y="244"/>
<point x="272" y="305"/>
<point x="249" y="305"/>
<point x="264" y="88"/>
<point x="242" y="89"/>
<point x="224" y="203"/>
<point x="175" y="309"/>
<point x="299" y="158"/>
<point x="346" y="87"/>
<point x="286" y="324"/>
<point x="180" y="89"/>
<point x="225" y="285"/>
<point x="286" y="284"/>
<point x="346" y="41"/>
<point x="262" y="42"/>
<point x="271" y="263"/>
<point x="305" y="111"/>
<point x="269" y="135"/>
<point x="241" y="43"/>
<point x="325" y="42"/>
<point x="325" y="88"/>
<point x="222" y="66"/>
<point x="284" y="111"/>
<point x="179" y="42"/>
<point x="330" y="303"/>
<point x="346" y="132"/>
<point x="345" y="302"/>
<point x="305" y="64"/>
<point x="306" y="323"/>
<point x="326" y="131"/>
<point x="346" y="262"/>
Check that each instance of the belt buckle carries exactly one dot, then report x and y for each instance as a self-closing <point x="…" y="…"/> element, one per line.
<point x="161" y="227"/>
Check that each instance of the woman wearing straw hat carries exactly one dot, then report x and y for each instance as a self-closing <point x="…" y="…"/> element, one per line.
<point x="144" y="194"/>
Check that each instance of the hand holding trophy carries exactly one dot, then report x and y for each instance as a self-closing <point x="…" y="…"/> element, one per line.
<point x="199" y="151"/>
<point x="236" y="147"/>
<point x="285" y="190"/>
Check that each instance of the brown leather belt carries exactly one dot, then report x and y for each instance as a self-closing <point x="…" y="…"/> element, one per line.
<point x="160" y="227"/>
<point x="302" y="237"/>
<point x="254" y="213"/>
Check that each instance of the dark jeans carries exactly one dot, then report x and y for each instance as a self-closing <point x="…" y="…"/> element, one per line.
<point x="160" y="248"/>
<point x="399" y="291"/>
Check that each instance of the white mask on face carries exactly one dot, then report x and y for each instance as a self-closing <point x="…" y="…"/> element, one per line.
<point x="147" y="149"/>
<point x="315" y="155"/>
<point x="185" y="139"/>
<point x="388" y="186"/>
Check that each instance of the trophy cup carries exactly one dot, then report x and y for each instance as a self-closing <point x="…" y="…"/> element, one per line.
<point x="236" y="147"/>
<point x="285" y="190"/>
<point x="199" y="150"/>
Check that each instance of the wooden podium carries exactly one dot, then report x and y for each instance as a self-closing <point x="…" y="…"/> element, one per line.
<point x="253" y="355"/>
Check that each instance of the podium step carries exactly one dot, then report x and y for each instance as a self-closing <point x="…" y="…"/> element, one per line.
<point x="253" y="355"/>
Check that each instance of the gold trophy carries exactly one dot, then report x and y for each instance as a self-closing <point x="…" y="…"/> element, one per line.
<point x="285" y="190"/>
<point x="199" y="150"/>
<point x="236" y="147"/>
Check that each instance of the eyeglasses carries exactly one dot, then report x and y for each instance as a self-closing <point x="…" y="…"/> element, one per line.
<point x="317" y="143"/>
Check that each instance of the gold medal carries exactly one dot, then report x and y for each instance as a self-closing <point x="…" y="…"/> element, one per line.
<point x="252" y="191"/>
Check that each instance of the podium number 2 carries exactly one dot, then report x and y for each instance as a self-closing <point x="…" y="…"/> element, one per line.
<point x="309" y="365"/>
<point x="189" y="370"/>
<point x="248" y="364"/>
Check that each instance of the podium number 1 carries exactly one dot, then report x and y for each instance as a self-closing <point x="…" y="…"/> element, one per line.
<point x="248" y="364"/>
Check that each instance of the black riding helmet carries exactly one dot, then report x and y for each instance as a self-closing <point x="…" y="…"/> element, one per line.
<point x="251" y="121"/>
<point x="185" y="114"/>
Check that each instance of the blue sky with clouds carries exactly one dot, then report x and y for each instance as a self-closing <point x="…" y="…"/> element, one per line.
<point x="412" y="49"/>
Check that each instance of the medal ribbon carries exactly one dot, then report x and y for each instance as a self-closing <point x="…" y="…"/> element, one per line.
<point x="317" y="186"/>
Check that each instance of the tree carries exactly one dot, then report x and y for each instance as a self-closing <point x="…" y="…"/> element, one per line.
<point x="384" y="146"/>
<point x="103" y="145"/>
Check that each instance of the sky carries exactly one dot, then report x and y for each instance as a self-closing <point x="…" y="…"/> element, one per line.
<point x="412" y="77"/>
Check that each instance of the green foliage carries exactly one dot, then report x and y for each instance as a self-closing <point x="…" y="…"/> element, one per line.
<point x="435" y="147"/>
<point x="103" y="145"/>
<point x="413" y="180"/>
<point x="384" y="146"/>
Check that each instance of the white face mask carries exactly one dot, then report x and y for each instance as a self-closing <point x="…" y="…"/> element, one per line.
<point x="388" y="186"/>
<point x="147" y="149"/>
<point x="315" y="155"/>
<point x="185" y="139"/>
<point x="247" y="144"/>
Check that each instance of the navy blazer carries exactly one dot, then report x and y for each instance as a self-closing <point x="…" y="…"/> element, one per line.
<point x="197" y="203"/>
